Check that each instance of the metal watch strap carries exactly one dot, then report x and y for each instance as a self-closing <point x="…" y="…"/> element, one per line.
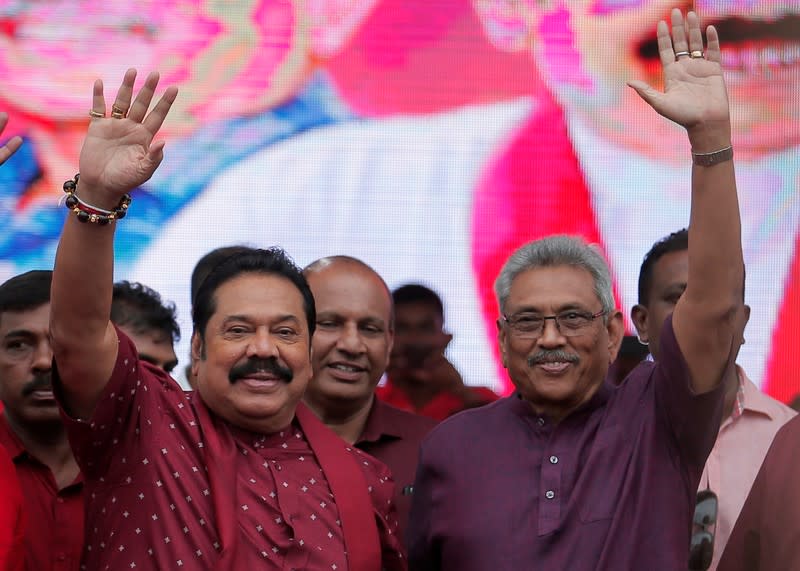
<point x="710" y="159"/>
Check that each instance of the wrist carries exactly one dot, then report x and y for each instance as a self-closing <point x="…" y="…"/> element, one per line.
<point x="705" y="138"/>
<point x="96" y="196"/>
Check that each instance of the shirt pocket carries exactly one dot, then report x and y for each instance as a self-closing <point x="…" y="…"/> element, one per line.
<point x="599" y="486"/>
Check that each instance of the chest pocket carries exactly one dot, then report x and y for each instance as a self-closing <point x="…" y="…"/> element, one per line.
<point x="604" y="475"/>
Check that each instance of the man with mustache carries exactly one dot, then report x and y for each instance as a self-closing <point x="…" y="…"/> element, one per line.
<point x="237" y="474"/>
<point x="352" y="342"/>
<point x="31" y="428"/>
<point x="571" y="472"/>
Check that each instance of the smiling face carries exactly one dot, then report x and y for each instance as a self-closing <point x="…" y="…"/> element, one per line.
<point x="556" y="373"/>
<point x="615" y="41"/>
<point x="255" y="341"/>
<point x="25" y="364"/>
<point x="353" y="337"/>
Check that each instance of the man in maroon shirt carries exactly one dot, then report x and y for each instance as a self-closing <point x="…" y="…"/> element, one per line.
<point x="420" y="377"/>
<point x="571" y="472"/>
<point x="351" y="348"/>
<point x="238" y="474"/>
<point x="31" y="429"/>
<point x="765" y="537"/>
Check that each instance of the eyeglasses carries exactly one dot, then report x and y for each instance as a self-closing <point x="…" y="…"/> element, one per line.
<point x="570" y="323"/>
<point x="701" y="549"/>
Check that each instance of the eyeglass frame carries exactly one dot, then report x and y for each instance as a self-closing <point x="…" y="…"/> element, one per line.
<point x="510" y="321"/>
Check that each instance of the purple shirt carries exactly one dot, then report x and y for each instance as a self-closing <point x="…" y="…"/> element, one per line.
<point x="766" y="536"/>
<point x="611" y="487"/>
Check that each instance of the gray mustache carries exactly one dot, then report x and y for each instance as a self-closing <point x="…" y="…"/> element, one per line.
<point x="550" y="355"/>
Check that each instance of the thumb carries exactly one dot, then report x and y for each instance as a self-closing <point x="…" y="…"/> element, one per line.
<point x="155" y="153"/>
<point x="650" y="95"/>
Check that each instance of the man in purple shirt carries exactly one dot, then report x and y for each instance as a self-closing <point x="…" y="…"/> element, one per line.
<point x="570" y="472"/>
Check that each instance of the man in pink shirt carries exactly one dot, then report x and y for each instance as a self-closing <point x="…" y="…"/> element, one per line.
<point x="750" y="418"/>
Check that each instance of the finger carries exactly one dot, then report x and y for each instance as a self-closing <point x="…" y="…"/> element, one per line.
<point x="679" y="42"/>
<point x="142" y="102"/>
<point x="713" y="52"/>
<point x="156" y="117"/>
<point x="665" y="52"/>
<point x="123" y="101"/>
<point x="98" y="100"/>
<point x="695" y="35"/>
<point x="650" y="95"/>
<point x="3" y="120"/>
<point x="156" y="153"/>
<point x="9" y="148"/>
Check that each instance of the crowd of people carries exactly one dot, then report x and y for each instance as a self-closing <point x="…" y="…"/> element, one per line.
<point x="287" y="454"/>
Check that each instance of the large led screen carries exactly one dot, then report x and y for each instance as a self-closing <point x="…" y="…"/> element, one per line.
<point x="427" y="137"/>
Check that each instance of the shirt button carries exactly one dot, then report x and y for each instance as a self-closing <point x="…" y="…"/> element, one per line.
<point x="554" y="459"/>
<point x="60" y="500"/>
<point x="549" y="494"/>
<point x="540" y="421"/>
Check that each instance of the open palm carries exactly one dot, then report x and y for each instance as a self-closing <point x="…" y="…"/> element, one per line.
<point x="694" y="88"/>
<point x="118" y="154"/>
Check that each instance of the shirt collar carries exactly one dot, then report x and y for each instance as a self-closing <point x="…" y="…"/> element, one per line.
<point x="750" y="398"/>
<point x="520" y="406"/>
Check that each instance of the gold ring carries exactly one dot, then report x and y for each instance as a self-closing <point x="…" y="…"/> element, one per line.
<point x="696" y="54"/>
<point x="96" y="114"/>
<point x="118" y="113"/>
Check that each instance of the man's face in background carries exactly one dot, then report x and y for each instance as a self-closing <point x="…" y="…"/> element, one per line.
<point x="586" y="50"/>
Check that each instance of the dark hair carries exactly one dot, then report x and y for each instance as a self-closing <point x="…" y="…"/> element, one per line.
<point x="211" y="260"/>
<point x="675" y="242"/>
<point x="141" y="308"/>
<point x="272" y="261"/>
<point x="417" y="293"/>
<point x="26" y="291"/>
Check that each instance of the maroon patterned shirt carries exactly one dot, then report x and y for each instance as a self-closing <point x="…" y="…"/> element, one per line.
<point x="151" y="495"/>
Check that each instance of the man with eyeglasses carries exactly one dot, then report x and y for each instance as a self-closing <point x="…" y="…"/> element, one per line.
<point x="750" y="418"/>
<point x="571" y="472"/>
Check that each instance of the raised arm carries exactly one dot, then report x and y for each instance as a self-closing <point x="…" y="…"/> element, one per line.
<point x="117" y="156"/>
<point x="695" y="97"/>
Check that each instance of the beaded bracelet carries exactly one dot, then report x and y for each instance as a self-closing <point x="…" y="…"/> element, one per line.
<point x="88" y="213"/>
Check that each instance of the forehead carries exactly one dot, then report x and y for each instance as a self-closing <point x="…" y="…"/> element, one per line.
<point x="351" y="290"/>
<point x="417" y="311"/>
<point x="551" y="288"/>
<point x="35" y="320"/>
<point x="258" y="296"/>
<point x="670" y="269"/>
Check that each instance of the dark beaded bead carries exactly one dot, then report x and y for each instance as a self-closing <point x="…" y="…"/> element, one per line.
<point x="83" y="216"/>
<point x="71" y="201"/>
<point x="119" y="213"/>
<point x="103" y="220"/>
<point x="70" y="186"/>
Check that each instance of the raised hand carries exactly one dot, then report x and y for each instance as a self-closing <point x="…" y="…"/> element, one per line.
<point x="12" y="145"/>
<point x="694" y="88"/>
<point x="119" y="154"/>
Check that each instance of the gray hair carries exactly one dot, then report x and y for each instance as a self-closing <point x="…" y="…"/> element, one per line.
<point x="557" y="251"/>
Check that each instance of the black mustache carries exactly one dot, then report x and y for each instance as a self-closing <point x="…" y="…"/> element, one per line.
<point x="254" y="366"/>
<point x="548" y="356"/>
<point x="41" y="382"/>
